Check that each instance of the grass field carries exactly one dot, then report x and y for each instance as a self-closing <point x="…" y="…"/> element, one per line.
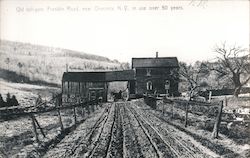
<point x="48" y="64"/>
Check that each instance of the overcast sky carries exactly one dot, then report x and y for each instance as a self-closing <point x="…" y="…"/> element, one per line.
<point x="189" y="33"/>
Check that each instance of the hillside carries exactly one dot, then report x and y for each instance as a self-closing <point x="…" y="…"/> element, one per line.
<point x="41" y="63"/>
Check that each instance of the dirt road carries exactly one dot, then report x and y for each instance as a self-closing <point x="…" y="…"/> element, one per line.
<point x="122" y="129"/>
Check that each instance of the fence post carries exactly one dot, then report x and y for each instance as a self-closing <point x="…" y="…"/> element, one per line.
<point x="34" y="128"/>
<point x="93" y="106"/>
<point x="172" y="110"/>
<point x="82" y="108"/>
<point x="60" y="119"/>
<point x="39" y="127"/>
<point x="74" y="110"/>
<point x="225" y="101"/>
<point x="87" y="108"/>
<point x="163" y="109"/>
<point x="186" y="115"/>
<point x="97" y="104"/>
<point x="210" y="96"/>
<point x="217" y="121"/>
<point x="58" y="104"/>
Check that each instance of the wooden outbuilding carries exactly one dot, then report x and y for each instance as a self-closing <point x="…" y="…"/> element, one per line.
<point x="84" y="86"/>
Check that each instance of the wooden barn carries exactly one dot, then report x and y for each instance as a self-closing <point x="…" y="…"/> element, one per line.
<point x="85" y="86"/>
<point x="156" y="75"/>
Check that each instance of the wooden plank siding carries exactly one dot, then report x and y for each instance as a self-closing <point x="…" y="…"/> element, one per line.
<point x="86" y="86"/>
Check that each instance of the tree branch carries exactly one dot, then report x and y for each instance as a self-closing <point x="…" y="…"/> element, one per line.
<point x="245" y="82"/>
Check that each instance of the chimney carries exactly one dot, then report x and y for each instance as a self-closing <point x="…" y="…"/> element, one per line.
<point x="156" y="55"/>
<point x="67" y="67"/>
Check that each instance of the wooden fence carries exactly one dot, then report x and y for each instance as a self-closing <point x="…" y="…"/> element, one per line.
<point x="215" y="111"/>
<point x="211" y="110"/>
<point x="55" y="106"/>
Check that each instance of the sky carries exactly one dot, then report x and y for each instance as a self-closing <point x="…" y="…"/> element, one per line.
<point x="173" y="28"/>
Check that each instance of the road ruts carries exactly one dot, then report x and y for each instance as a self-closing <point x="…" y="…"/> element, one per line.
<point x="90" y="135"/>
<point x="184" y="147"/>
<point x="68" y="146"/>
<point x="89" y="144"/>
<point x="148" y="147"/>
<point x="162" y="148"/>
<point x="124" y="130"/>
<point x="101" y="146"/>
<point x="131" y="145"/>
<point x="115" y="148"/>
<point x="181" y="146"/>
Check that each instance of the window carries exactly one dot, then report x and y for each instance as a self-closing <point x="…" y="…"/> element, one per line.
<point x="148" y="72"/>
<point x="167" y="84"/>
<point x="149" y="85"/>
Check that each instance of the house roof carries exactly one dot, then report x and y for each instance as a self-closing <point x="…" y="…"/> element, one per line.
<point x="99" y="76"/>
<point x="155" y="62"/>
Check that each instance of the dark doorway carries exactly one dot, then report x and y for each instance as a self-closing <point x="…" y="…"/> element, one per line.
<point x="132" y="87"/>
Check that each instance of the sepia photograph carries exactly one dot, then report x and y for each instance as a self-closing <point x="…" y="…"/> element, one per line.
<point x="125" y="78"/>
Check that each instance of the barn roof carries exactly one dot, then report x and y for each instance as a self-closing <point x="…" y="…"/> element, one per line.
<point x="154" y="62"/>
<point x="99" y="76"/>
<point x="125" y="75"/>
<point x="83" y="76"/>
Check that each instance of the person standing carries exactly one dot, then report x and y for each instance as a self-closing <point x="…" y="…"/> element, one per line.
<point x="120" y="95"/>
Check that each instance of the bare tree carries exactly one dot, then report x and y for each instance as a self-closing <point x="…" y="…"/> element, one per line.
<point x="232" y="63"/>
<point x="194" y="76"/>
<point x="125" y="66"/>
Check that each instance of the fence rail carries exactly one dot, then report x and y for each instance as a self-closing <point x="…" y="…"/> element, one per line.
<point x="195" y="107"/>
<point x="32" y="112"/>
